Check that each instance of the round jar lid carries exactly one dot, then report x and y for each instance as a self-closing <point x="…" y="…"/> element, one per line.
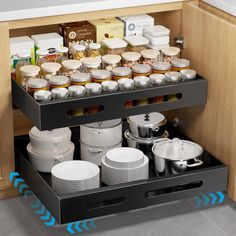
<point x="153" y="119"/>
<point x="150" y="53"/>
<point x="59" y="80"/>
<point x="157" y="79"/>
<point x="30" y="70"/>
<point x="173" y="76"/>
<point x="37" y="83"/>
<point x="51" y="67"/>
<point x="111" y="59"/>
<point x="131" y="56"/>
<point x="114" y="43"/>
<point x="91" y="62"/>
<point x="170" y="51"/>
<point x="80" y="77"/>
<point x="141" y="68"/>
<point x="42" y="52"/>
<point x="161" y="65"/>
<point x="71" y="64"/>
<point x="62" y="49"/>
<point x="93" y="88"/>
<point x="121" y="71"/>
<point x="104" y="124"/>
<point x="95" y="46"/>
<point x="180" y="63"/>
<point x="136" y="40"/>
<point x="101" y="74"/>
<point x="79" y="47"/>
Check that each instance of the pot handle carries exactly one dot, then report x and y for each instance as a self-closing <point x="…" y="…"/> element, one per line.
<point x="94" y="150"/>
<point x="197" y="163"/>
<point x="59" y="158"/>
<point x="160" y="140"/>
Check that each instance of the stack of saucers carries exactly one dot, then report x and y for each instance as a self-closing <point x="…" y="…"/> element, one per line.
<point x="72" y="176"/>
<point x="121" y="165"/>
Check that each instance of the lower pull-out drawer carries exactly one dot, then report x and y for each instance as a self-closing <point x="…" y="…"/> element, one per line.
<point x="210" y="177"/>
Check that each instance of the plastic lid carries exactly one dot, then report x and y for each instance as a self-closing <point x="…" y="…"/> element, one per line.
<point x="62" y="49"/>
<point x="157" y="30"/>
<point x="30" y="70"/>
<point x="42" y="52"/>
<point x="141" y="68"/>
<point x="136" y="40"/>
<point x="91" y="62"/>
<point x="180" y="63"/>
<point x="59" y="80"/>
<point x="150" y="53"/>
<point x="79" y="47"/>
<point x="51" y="67"/>
<point x="101" y="74"/>
<point x="111" y="59"/>
<point x="104" y="124"/>
<point x="161" y="65"/>
<point x="71" y="64"/>
<point x="170" y="51"/>
<point x="114" y="43"/>
<point x="37" y="83"/>
<point x="80" y="77"/>
<point x="121" y="71"/>
<point x="94" y="45"/>
<point x="131" y="56"/>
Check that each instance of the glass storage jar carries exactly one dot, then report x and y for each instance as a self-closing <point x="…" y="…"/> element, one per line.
<point x="149" y="56"/>
<point x="70" y="67"/>
<point x="94" y="50"/>
<point x="110" y="61"/>
<point x="115" y="46"/>
<point x="62" y="54"/>
<point x="59" y="82"/>
<point x="121" y="72"/>
<point x="91" y="63"/>
<point x="78" y="52"/>
<point x="161" y="67"/>
<point x="141" y="70"/>
<point x="41" y="55"/>
<point x="28" y="72"/>
<point x="136" y="43"/>
<point x="36" y="85"/>
<point x="23" y="60"/>
<point x="99" y="76"/>
<point x="141" y="82"/>
<point x="170" y="53"/>
<point x="50" y="69"/>
<point x="173" y="77"/>
<point x="180" y="64"/>
<point x="130" y="58"/>
<point x="80" y="78"/>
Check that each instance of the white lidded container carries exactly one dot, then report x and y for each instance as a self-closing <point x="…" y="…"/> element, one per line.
<point x="115" y="45"/>
<point x="157" y="31"/>
<point x="136" y="43"/>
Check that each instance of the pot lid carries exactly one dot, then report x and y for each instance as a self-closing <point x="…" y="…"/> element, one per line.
<point x="153" y="119"/>
<point x="104" y="124"/>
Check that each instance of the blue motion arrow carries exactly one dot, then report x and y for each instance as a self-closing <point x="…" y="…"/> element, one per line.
<point x="198" y="202"/>
<point x="46" y="217"/>
<point x="84" y="225"/>
<point x="41" y="211"/>
<point x="22" y="187"/>
<point x="78" y="228"/>
<point x="222" y="197"/>
<point x="12" y="175"/>
<point x="51" y="223"/>
<point x="36" y="205"/>
<point x="17" y="181"/>
<point x="214" y="198"/>
<point x="206" y="199"/>
<point x="27" y="193"/>
<point x="69" y="228"/>
<point x="91" y="222"/>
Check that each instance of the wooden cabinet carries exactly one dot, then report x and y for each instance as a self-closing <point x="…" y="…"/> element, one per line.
<point x="209" y="41"/>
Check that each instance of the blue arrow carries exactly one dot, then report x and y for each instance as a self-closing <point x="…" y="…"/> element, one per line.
<point x="17" y="181"/>
<point x="91" y="222"/>
<point x="206" y="199"/>
<point x="27" y="193"/>
<point x="214" y="198"/>
<point x="46" y="217"/>
<point x="23" y="186"/>
<point x="69" y="228"/>
<point x="78" y="228"/>
<point x="36" y="205"/>
<point x="222" y="197"/>
<point x="84" y="225"/>
<point x="12" y="175"/>
<point x="199" y="202"/>
<point x="41" y="211"/>
<point x="51" y="223"/>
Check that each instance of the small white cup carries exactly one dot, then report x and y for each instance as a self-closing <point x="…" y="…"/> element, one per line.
<point x="42" y="95"/>
<point x="76" y="91"/>
<point x="109" y="86"/>
<point x="93" y="88"/>
<point x="141" y="81"/>
<point x="126" y="84"/>
<point x="58" y="93"/>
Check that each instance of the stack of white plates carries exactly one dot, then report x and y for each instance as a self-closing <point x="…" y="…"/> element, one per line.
<point x="121" y="165"/>
<point x="72" y="176"/>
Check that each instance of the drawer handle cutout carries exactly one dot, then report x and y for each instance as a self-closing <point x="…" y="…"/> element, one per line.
<point x="107" y="203"/>
<point x="85" y="111"/>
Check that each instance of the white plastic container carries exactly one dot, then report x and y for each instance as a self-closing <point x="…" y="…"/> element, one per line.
<point x="115" y="46"/>
<point x="136" y="43"/>
<point x="157" y="31"/>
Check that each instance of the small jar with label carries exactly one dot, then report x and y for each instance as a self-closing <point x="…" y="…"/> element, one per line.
<point x="94" y="50"/>
<point x="141" y="70"/>
<point x="80" y="78"/>
<point x="180" y="64"/>
<point x="136" y="43"/>
<point x="149" y="56"/>
<point x="70" y="67"/>
<point x="91" y="63"/>
<point x="36" y="85"/>
<point x="78" y="52"/>
<point x="62" y="54"/>
<point x="50" y="69"/>
<point x="170" y="53"/>
<point x="130" y="58"/>
<point x="121" y="72"/>
<point x="99" y="76"/>
<point x="59" y="82"/>
<point x="28" y="72"/>
<point x="110" y="61"/>
<point x="115" y="46"/>
<point x="161" y="67"/>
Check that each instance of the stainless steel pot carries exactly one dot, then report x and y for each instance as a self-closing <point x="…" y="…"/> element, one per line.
<point x="176" y="156"/>
<point x="152" y="125"/>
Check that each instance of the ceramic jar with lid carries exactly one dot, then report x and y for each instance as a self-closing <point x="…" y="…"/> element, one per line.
<point x="28" y="72"/>
<point x="50" y="69"/>
<point x="149" y="56"/>
<point x="37" y="84"/>
<point x="70" y="67"/>
<point x="170" y="53"/>
<point x="180" y="64"/>
<point x="99" y="76"/>
<point x="161" y="67"/>
<point x="141" y="70"/>
<point x="80" y="78"/>
<point x="115" y="46"/>
<point x="59" y="82"/>
<point x="110" y="61"/>
<point x="136" y="43"/>
<point x="91" y="63"/>
<point x="78" y="52"/>
<point x="130" y="58"/>
<point x="94" y="50"/>
<point x="121" y="72"/>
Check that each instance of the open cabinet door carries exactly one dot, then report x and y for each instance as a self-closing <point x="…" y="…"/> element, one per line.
<point x="210" y="43"/>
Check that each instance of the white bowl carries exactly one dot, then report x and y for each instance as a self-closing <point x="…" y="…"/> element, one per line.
<point x="45" y="162"/>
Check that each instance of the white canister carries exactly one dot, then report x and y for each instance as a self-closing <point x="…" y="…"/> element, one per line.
<point x="102" y="134"/>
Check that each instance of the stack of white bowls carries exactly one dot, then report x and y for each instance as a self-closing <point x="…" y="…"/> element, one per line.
<point x="96" y="139"/>
<point x="121" y="165"/>
<point x="47" y="148"/>
<point x="72" y="176"/>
